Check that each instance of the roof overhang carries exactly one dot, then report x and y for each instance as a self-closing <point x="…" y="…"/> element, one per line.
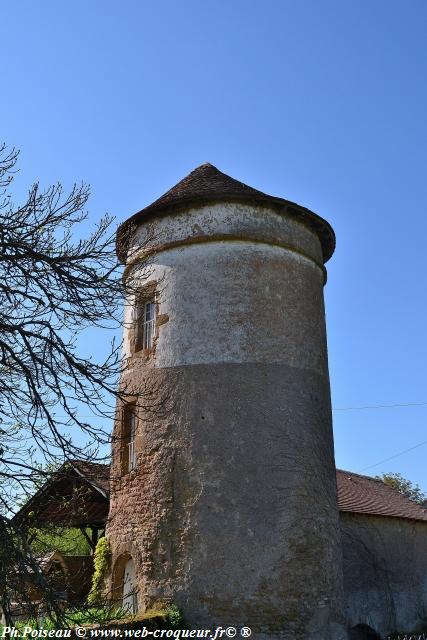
<point x="69" y="498"/>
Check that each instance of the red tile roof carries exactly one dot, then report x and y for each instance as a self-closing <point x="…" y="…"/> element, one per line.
<point x="363" y="494"/>
<point x="53" y="503"/>
<point x="96" y="473"/>
<point x="356" y="493"/>
<point x="207" y="184"/>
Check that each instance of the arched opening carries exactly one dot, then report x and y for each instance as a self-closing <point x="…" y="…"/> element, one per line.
<point x="129" y="601"/>
<point x="363" y="632"/>
<point x="124" y="584"/>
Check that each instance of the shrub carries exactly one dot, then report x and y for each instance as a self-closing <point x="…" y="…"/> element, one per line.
<point x="101" y="561"/>
<point x="174" y="616"/>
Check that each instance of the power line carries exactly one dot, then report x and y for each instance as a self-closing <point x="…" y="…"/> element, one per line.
<point x="396" y="455"/>
<point x="368" y="406"/>
<point x="378" y="406"/>
<point x="388" y="406"/>
<point x="382" y="406"/>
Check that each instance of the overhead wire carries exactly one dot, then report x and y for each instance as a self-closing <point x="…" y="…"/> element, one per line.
<point x="381" y="406"/>
<point x="360" y="408"/>
<point x="388" y="406"/>
<point x="368" y="406"/>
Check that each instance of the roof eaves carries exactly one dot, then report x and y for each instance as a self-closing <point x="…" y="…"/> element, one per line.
<point x="302" y="214"/>
<point x="90" y="481"/>
<point x="381" y="515"/>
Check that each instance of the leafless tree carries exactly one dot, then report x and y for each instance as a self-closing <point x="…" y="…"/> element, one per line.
<point x="53" y="285"/>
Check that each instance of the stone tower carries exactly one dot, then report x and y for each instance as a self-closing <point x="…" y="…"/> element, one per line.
<point x="223" y="475"/>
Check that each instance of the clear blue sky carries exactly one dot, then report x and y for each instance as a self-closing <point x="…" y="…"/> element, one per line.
<point x="323" y="103"/>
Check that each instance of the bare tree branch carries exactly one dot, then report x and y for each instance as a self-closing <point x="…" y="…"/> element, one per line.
<point x="53" y="285"/>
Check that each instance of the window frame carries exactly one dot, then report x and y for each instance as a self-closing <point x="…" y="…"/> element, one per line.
<point x="148" y="327"/>
<point x="145" y="331"/>
<point x="129" y="458"/>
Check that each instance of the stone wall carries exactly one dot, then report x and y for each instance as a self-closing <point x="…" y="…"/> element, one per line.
<point x="232" y="510"/>
<point x="385" y="572"/>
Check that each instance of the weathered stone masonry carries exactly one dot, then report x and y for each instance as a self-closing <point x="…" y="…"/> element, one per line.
<point x="234" y="423"/>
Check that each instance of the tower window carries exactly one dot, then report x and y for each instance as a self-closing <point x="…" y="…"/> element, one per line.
<point x="129" y="459"/>
<point x="145" y="330"/>
<point x="148" y="320"/>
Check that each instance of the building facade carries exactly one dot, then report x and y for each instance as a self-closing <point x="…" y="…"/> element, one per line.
<point x="384" y="542"/>
<point x="383" y="539"/>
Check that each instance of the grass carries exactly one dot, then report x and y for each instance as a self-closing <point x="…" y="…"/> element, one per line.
<point x="171" y="616"/>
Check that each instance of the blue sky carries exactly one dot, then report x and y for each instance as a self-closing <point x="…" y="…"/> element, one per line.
<point x="323" y="103"/>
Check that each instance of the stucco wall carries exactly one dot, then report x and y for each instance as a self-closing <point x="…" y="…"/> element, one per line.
<point x="385" y="572"/>
<point x="234" y="429"/>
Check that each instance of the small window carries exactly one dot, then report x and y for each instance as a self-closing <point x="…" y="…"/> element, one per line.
<point x="145" y="331"/>
<point x="129" y="459"/>
<point x="148" y="326"/>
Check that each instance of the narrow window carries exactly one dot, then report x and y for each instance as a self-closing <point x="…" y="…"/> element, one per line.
<point x="131" y="445"/>
<point x="148" y="323"/>
<point x="145" y="329"/>
<point x="129" y="439"/>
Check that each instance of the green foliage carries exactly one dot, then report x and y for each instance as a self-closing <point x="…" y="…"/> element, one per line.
<point x="69" y="541"/>
<point x="71" y="618"/>
<point x="174" y="616"/>
<point x="403" y="486"/>
<point x="101" y="561"/>
<point x="94" y="615"/>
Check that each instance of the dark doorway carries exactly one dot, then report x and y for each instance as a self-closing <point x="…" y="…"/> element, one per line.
<point x="363" y="632"/>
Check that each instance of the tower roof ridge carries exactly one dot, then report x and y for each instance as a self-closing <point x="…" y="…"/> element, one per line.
<point x="204" y="181"/>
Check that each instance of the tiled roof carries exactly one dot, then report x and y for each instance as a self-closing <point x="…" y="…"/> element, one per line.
<point x="97" y="474"/>
<point x="356" y="493"/>
<point x="45" y="560"/>
<point x="51" y="503"/>
<point x="207" y="184"/>
<point x="363" y="494"/>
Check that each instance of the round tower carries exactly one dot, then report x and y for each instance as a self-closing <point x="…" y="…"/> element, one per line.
<point x="223" y="494"/>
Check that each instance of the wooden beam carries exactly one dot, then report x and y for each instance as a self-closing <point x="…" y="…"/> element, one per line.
<point x="89" y="540"/>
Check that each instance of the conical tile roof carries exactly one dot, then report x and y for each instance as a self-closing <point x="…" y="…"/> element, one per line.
<point x="207" y="184"/>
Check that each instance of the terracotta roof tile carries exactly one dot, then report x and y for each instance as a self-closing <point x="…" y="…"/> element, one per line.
<point x="96" y="473"/>
<point x="356" y="493"/>
<point x="51" y="501"/>
<point x="207" y="184"/>
<point x="363" y="494"/>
